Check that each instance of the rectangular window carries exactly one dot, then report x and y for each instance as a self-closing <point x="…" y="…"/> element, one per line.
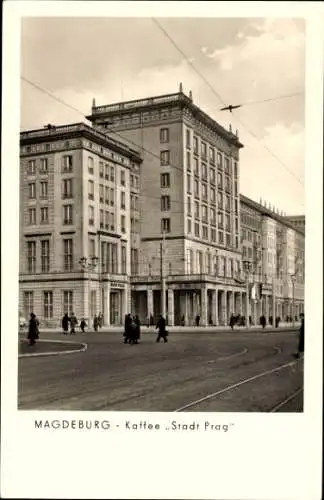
<point x="165" y="203"/>
<point x="227" y="165"/>
<point x="112" y="221"/>
<point x="48" y="305"/>
<point x="204" y="171"/>
<point x="196" y="210"/>
<point x="204" y="213"/>
<point x="67" y="214"/>
<point x="31" y="256"/>
<point x="219" y="160"/>
<point x="165" y="225"/>
<point x="212" y="155"/>
<point x="203" y="150"/>
<point x="236" y="206"/>
<point x="67" y="163"/>
<point x="196" y="188"/>
<point x="107" y="219"/>
<point x="189" y="226"/>
<point x="67" y="188"/>
<point x="123" y="200"/>
<point x="195" y="144"/>
<point x="196" y="167"/>
<point x="28" y="303"/>
<point x="212" y="195"/>
<point x="197" y="231"/>
<point x="31" y="167"/>
<point x="91" y="216"/>
<point x="227" y="203"/>
<point x="112" y="173"/>
<point x="68" y="302"/>
<point x="101" y="219"/>
<point x="221" y="219"/>
<point x="101" y="193"/>
<point x="213" y="217"/>
<point x="221" y="237"/>
<point x="227" y="222"/>
<point x="114" y="258"/>
<point x="188" y="138"/>
<point x="227" y="184"/>
<point x="188" y="205"/>
<point x="32" y="216"/>
<point x="122" y="177"/>
<point x="134" y="261"/>
<point x="205" y="232"/>
<point x="220" y="200"/>
<point x="112" y="197"/>
<point x="44" y="215"/>
<point x="90" y="165"/>
<point x="106" y="195"/>
<point x="235" y="169"/>
<point x="164" y="135"/>
<point x="188" y="161"/>
<point x="213" y="235"/>
<point x="43" y="166"/>
<point x="188" y="183"/>
<point x="32" y="190"/>
<point x="228" y="240"/>
<point x="123" y="224"/>
<point x="91" y="190"/>
<point x="220" y="180"/>
<point x="165" y="180"/>
<point x="45" y="256"/>
<point x="68" y="254"/>
<point x="123" y="260"/>
<point x="204" y="192"/>
<point x="235" y="188"/>
<point x="165" y="157"/>
<point x="101" y="169"/>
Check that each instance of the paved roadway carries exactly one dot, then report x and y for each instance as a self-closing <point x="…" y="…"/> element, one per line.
<point x="192" y="372"/>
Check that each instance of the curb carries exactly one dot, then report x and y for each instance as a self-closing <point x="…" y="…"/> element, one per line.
<point x="55" y="353"/>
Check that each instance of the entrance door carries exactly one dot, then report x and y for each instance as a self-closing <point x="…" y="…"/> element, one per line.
<point x="115" y="305"/>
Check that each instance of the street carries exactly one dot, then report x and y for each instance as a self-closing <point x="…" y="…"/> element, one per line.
<point x="208" y="372"/>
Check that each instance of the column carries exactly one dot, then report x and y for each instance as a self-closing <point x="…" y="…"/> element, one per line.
<point x="124" y="304"/>
<point x="255" y="316"/>
<point x="267" y="308"/>
<point x="186" y="308"/>
<point x="149" y="302"/>
<point x="203" y="306"/>
<point x="241" y="303"/>
<point x="170" y="307"/>
<point x="215" y="307"/>
<point x="106" y="308"/>
<point x="223" y="307"/>
<point x="232" y="303"/>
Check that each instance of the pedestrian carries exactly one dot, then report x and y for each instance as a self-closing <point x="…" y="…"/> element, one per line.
<point x="162" y="334"/>
<point x="65" y="323"/>
<point x="232" y="321"/>
<point x="263" y="321"/>
<point x="197" y="320"/>
<point x="82" y="325"/>
<point x="127" y="328"/>
<point x="73" y="323"/>
<point x="301" y="340"/>
<point x="137" y="329"/>
<point x="277" y="321"/>
<point x="95" y="323"/>
<point x="100" y="320"/>
<point x="33" y="330"/>
<point x="151" y="320"/>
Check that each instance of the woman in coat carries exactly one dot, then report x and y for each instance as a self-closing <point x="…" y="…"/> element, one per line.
<point x="32" y="329"/>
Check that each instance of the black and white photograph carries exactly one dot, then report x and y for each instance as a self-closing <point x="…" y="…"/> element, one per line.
<point x="162" y="202"/>
<point x="163" y="249"/>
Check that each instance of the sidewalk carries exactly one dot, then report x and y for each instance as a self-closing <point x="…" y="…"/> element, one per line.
<point x="184" y="329"/>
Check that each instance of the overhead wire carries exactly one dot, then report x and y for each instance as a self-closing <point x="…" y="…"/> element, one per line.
<point x="168" y="36"/>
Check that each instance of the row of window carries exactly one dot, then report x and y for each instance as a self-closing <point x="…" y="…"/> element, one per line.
<point x="211" y="234"/>
<point x="217" y="265"/>
<point x="226" y="186"/>
<point x="221" y="199"/>
<point x="32" y="216"/>
<point x="43" y="166"/>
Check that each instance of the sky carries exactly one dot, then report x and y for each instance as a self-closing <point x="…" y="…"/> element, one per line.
<point x="243" y="60"/>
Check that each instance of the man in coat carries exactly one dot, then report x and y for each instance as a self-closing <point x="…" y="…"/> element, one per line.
<point x="162" y="334"/>
<point x="32" y="329"/>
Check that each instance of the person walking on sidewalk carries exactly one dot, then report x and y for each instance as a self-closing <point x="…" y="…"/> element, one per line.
<point x="232" y="321"/>
<point x="301" y="340"/>
<point x="95" y="323"/>
<point x="65" y="323"/>
<point x="82" y="325"/>
<point x="33" y="332"/>
<point x="263" y="321"/>
<point x="162" y="334"/>
<point x="73" y="323"/>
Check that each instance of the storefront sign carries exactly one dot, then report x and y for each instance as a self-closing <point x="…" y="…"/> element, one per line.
<point x="115" y="284"/>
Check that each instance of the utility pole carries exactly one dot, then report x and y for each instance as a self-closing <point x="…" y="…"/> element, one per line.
<point x="293" y="279"/>
<point x="247" y="265"/>
<point x="162" y="278"/>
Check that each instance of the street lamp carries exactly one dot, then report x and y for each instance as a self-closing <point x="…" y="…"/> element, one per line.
<point x="247" y="267"/>
<point x="293" y="280"/>
<point x="89" y="264"/>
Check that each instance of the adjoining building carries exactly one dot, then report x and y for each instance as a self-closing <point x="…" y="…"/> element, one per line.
<point x="141" y="213"/>
<point x="75" y="192"/>
<point x="189" y="204"/>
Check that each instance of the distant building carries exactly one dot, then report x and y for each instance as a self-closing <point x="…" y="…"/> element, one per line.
<point x="276" y="250"/>
<point x="75" y="196"/>
<point x="297" y="221"/>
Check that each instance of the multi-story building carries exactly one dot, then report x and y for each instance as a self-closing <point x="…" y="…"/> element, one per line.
<point x="297" y="221"/>
<point x="275" y="249"/>
<point x="189" y="207"/>
<point x="76" y="192"/>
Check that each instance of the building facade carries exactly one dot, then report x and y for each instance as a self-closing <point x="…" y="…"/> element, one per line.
<point x="75" y="192"/>
<point x="275" y="248"/>
<point x="189" y="247"/>
<point x="149" y="196"/>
